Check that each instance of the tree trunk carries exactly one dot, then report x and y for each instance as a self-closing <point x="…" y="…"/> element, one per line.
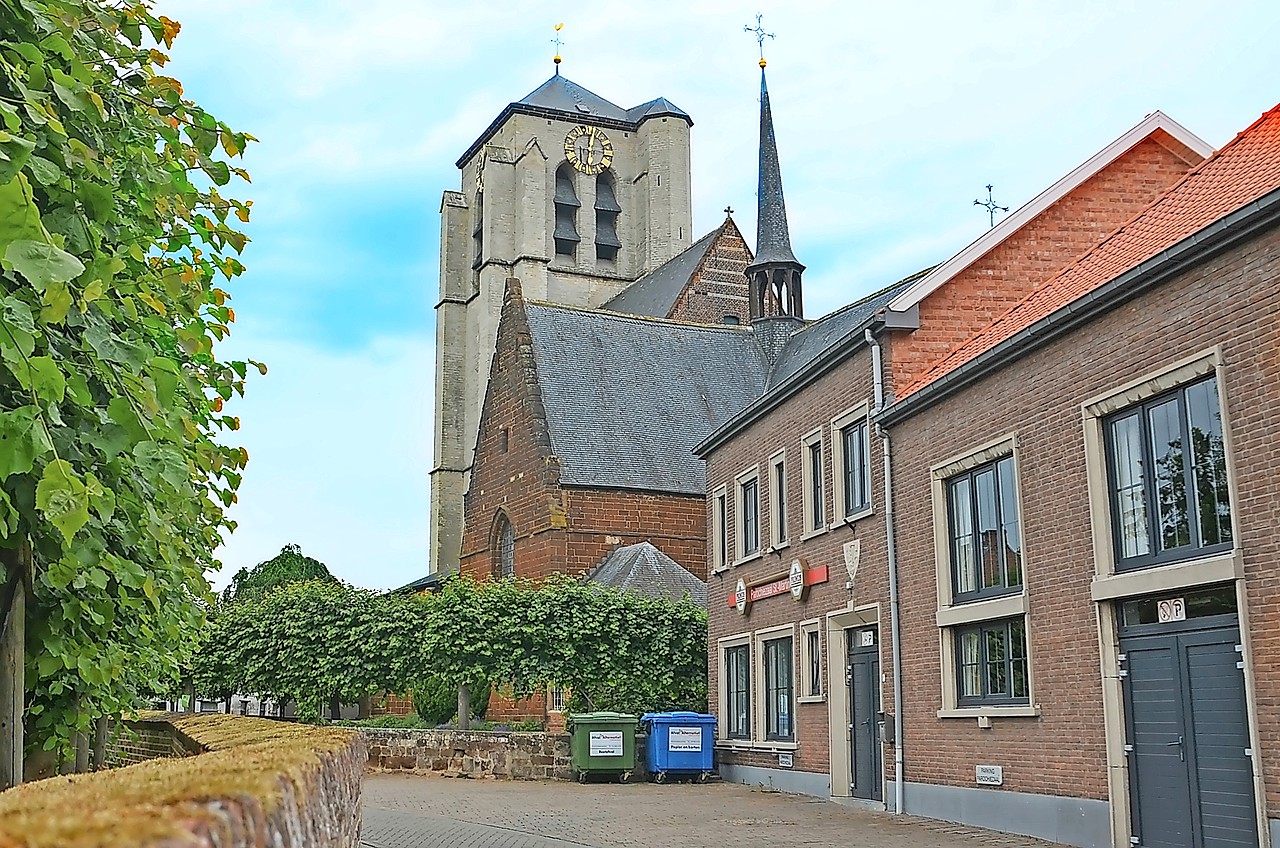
<point x="335" y="708"/>
<point x="100" y="734"/>
<point x="191" y="693"/>
<point x="464" y="707"/>
<point x="366" y="706"/>
<point x="82" y="752"/>
<point x="17" y="564"/>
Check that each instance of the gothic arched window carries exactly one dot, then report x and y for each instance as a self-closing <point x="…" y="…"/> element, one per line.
<point x="566" y="203"/>
<point x="607" y="210"/>
<point x="504" y="548"/>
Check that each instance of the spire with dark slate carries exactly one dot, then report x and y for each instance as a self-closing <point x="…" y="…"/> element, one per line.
<point x="775" y="272"/>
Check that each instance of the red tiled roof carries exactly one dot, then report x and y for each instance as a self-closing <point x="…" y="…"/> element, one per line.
<point x="1245" y="169"/>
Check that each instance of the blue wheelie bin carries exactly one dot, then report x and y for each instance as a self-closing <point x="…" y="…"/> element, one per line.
<point x="679" y="745"/>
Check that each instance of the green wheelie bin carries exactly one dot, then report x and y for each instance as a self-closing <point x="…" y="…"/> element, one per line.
<point x="602" y="744"/>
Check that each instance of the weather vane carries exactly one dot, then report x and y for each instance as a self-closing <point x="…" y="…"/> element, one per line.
<point x="760" y="35"/>
<point x="991" y="206"/>
<point x="558" y="43"/>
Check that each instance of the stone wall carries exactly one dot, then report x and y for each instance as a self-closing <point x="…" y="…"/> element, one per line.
<point x="505" y="756"/>
<point x="255" y="783"/>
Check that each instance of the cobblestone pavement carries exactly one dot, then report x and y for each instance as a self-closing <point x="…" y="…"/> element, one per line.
<point x="414" y="811"/>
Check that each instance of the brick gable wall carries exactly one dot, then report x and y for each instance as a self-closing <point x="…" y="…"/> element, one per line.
<point x="1231" y="301"/>
<point x="718" y="287"/>
<point x="1035" y="254"/>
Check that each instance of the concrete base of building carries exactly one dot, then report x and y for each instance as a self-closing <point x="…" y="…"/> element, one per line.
<point x="859" y="803"/>
<point x="1082" y="822"/>
<point x="1275" y="832"/>
<point x="781" y="780"/>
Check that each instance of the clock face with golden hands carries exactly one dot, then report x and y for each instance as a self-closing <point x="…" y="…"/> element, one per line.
<point x="588" y="149"/>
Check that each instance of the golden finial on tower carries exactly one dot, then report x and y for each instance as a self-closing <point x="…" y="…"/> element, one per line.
<point x="557" y="42"/>
<point x="760" y="35"/>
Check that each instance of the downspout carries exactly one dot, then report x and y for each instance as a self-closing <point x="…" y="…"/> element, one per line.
<point x="895" y="629"/>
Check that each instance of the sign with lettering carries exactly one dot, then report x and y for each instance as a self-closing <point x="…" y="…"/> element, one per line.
<point x="785" y="760"/>
<point x="990" y="775"/>
<point x="684" y="738"/>
<point x="744" y="594"/>
<point x="852" y="555"/>
<point x="1171" y="609"/>
<point x="606" y="743"/>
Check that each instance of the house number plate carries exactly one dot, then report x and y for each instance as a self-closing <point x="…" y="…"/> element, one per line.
<point x="1171" y="609"/>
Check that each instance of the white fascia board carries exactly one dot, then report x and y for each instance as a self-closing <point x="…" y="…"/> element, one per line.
<point x="989" y="240"/>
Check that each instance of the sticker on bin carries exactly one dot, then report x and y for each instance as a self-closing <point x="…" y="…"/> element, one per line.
<point x="606" y="743"/>
<point x="684" y="739"/>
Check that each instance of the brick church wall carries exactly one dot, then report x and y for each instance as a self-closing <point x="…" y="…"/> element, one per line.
<point x="1035" y="254"/>
<point x="718" y="287"/>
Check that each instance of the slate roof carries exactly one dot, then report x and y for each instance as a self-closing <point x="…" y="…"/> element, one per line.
<point x="628" y="398"/>
<point x="808" y="344"/>
<point x="656" y="108"/>
<point x="655" y="293"/>
<point x="645" y="569"/>
<point x="1245" y="169"/>
<point x="564" y="95"/>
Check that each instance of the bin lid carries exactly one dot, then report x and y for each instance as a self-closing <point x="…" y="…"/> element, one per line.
<point x="684" y="716"/>
<point x="601" y="718"/>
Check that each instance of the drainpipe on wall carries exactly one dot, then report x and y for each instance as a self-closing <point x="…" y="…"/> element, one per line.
<point x="877" y="375"/>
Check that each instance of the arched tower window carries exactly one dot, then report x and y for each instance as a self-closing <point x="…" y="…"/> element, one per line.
<point x="504" y="547"/>
<point x="607" y="210"/>
<point x="566" y="203"/>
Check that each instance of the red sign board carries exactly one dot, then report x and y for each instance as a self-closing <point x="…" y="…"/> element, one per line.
<point x="795" y="582"/>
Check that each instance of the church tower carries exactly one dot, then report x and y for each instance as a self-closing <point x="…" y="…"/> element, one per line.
<point x="774" y="274"/>
<point x="574" y="196"/>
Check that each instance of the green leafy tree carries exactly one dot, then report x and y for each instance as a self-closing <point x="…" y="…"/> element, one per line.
<point x="113" y="234"/>
<point x="288" y="566"/>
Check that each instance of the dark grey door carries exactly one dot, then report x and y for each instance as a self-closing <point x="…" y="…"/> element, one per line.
<point x="1191" y="776"/>
<point x="864" y="702"/>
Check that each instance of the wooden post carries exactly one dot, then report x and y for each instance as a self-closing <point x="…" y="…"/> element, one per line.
<point x="100" y="728"/>
<point x="17" y="563"/>
<point x="464" y="707"/>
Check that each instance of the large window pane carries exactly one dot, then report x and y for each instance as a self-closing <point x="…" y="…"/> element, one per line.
<point x="780" y="500"/>
<point x="963" y="554"/>
<point x="1170" y="476"/>
<point x="997" y="669"/>
<point x="738" y="692"/>
<point x="991" y="663"/>
<point x="778" y="689"/>
<point x="1010" y="532"/>
<point x="1208" y="463"/>
<point x="1130" y="483"/>
<point x="750" y="517"/>
<point x="818" y="513"/>
<point x="984" y="484"/>
<point x="971" y="664"/>
<point x="853" y="444"/>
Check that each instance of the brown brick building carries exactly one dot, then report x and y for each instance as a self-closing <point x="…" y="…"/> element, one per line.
<point x="1075" y="588"/>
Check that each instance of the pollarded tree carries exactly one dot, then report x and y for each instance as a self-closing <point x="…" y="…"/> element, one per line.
<point x="288" y="566"/>
<point x="113" y="232"/>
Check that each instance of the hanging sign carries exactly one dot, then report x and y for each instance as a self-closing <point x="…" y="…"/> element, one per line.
<point x="795" y="582"/>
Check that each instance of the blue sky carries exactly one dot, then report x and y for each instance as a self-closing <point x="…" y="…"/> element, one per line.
<point x="890" y="117"/>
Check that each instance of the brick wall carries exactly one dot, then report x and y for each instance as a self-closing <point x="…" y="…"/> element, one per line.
<point x="783" y="428"/>
<point x="1035" y="253"/>
<point x="137" y="741"/>
<point x="1230" y="301"/>
<point x="718" y="286"/>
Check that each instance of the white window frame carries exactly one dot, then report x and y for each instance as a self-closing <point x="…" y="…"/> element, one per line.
<point x="722" y="645"/>
<point x="552" y="689"/>
<point x="1217" y="567"/>
<point x="779" y="503"/>
<point x="950" y="615"/>
<point x="740" y="554"/>
<point x="758" y="693"/>
<point x="812" y="528"/>
<point x="719" y="527"/>
<point x="861" y="412"/>
<point x="803" y="694"/>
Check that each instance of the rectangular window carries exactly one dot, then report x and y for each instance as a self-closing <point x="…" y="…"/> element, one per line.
<point x="749" y="512"/>
<point x="778" y="497"/>
<point x="810" y="661"/>
<point x="985" y="539"/>
<point x="855" y="476"/>
<point x="555" y="699"/>
<point x="737" y="689"/>
<point x="1167" y="473"/>
<point x="720" y="530"/>
<point x="779" y="692"/>
<point x="815" y="508"/>
<point x="991" y="663"/>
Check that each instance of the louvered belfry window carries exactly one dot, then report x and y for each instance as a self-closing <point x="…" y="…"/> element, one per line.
<point x="566" y="203"/>
<point x="607" y="211"/>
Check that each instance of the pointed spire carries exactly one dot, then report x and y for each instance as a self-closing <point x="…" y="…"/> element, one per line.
<point x="773" y="239"/>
